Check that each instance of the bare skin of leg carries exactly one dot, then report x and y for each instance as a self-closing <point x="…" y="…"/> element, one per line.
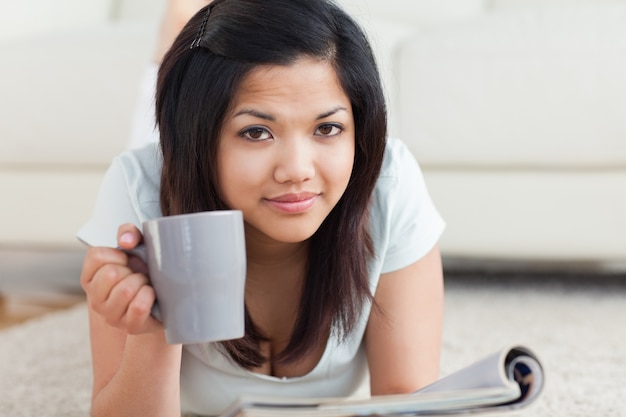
<point x="177" y="14"/>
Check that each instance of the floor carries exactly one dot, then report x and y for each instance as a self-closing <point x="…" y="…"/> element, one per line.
<point x="34" y="282"/>
<point x="17" y="309"/>
<point x="572" y="320"/>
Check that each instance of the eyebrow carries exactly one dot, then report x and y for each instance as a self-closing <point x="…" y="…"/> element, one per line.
<point x="264" y="116"/>
<point x="331" y="112"/>
<point x="255" y="113"/>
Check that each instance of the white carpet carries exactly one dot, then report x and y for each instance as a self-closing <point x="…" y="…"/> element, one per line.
<point x="578" y="331"/>
<point x="45" y="367"/>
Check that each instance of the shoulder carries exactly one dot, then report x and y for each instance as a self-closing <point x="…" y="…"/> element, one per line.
<point x="144" y="162"/>
<point x="396" y="152"/>
<point x="129" y="193"/>
<point x="404" y="222"/>
<point x="141" y="172"/>
<point x="399" y="172"/>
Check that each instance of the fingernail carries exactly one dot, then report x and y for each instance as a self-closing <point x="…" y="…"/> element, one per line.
<point x="127" y="238"/>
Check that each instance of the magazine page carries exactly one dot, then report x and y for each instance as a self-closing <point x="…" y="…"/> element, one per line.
<point x="501" y="382"/>
<point x="386" y="405"/>
<point x="514" y="368"/>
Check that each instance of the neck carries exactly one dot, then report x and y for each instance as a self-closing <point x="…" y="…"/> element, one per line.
<point x="266" y="255"/>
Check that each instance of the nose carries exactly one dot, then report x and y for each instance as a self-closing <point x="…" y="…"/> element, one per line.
<point x="295" y="161"/>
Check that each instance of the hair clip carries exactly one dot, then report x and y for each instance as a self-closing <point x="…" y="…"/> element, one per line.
<point x="198" y="39"/>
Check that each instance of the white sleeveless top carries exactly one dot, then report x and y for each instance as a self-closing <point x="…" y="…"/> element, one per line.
<point x="404" y="226"/>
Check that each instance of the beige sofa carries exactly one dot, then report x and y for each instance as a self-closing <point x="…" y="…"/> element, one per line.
<point x="515" y="110"/>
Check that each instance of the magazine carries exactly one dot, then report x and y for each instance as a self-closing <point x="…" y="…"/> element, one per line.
<point x="500" y="384"/>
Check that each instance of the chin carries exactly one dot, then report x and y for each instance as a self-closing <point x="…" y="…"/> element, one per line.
<point x="292" y="233"/>
<point x="291" y="237"/>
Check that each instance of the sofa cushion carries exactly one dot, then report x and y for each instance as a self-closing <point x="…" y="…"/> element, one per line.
<point x="68" y="97"/>
<point x="525" y="89"/>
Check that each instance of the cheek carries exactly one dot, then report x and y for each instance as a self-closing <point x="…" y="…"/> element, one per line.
<point x="239" y="174"/>
<point x="339" y="164"/>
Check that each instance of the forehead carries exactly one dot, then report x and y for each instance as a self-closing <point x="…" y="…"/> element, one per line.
<point x="305" y="80"/>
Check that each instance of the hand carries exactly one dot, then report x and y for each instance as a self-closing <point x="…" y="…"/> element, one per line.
<point x="117" y="285"/>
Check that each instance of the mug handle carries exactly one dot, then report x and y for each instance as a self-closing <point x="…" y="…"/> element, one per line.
<point x="141" y="252"/>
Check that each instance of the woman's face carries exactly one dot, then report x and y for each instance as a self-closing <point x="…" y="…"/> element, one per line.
<point x="286" y="149"/>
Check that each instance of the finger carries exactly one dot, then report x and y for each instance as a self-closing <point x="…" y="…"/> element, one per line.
<point x="96" y="258"/>
<point x="116" y="305"/>
<point x="138" y="317"/>
<point x="99" y="289"/>
<point x="128" y="236"/>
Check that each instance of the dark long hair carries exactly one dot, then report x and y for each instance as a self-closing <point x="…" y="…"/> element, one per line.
<point x="194" y="91"/>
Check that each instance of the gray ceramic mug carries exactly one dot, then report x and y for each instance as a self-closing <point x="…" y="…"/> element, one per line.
<point x="197" y="266"/>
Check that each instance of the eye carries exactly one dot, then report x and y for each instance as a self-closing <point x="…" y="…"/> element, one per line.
<point x="255" y="134"/>
<point x="329" y="130"/>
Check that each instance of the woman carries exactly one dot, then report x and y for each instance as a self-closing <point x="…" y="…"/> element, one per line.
<point x="274" y="108"/>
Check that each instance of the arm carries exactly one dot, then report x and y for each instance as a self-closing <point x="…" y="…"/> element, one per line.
<point x="135" y="371"/>
<point x="403" y="340"/>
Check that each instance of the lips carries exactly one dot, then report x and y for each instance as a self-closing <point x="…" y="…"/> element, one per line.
<point x="293" y="203"/>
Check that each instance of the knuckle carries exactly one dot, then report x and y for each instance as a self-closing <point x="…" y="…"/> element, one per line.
<point x="97" y="259"/>
<point x="139" y="309"/>
<point x="142" y="304"/>
<point x="110" y="274"/>
<point x="126" y="292"/>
